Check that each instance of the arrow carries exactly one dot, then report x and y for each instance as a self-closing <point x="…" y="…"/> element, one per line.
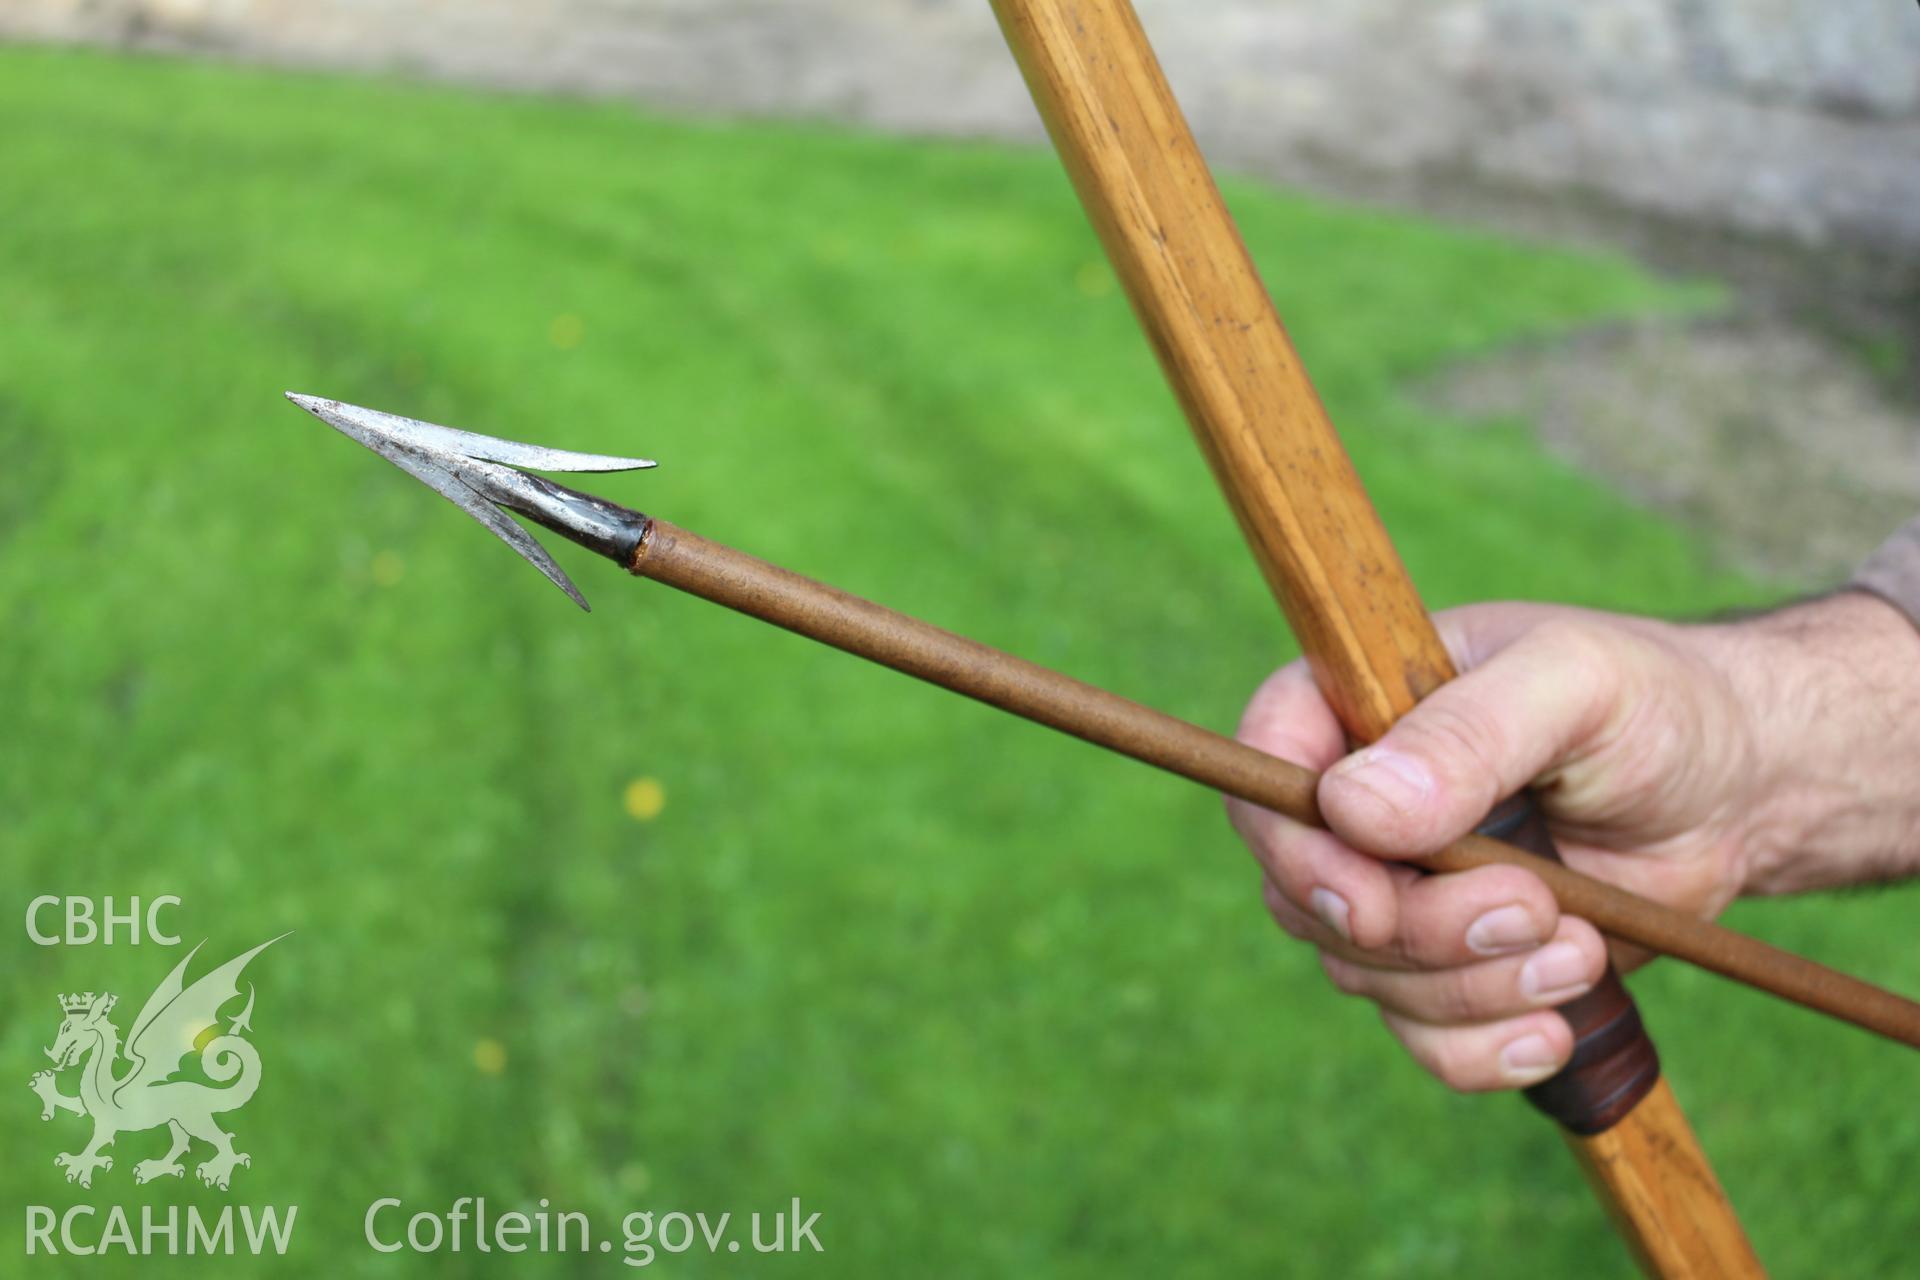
<point x="469" y="469"/>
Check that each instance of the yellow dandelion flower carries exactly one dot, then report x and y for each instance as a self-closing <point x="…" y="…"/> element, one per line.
<point x="489" y="1056"/>
<point x="644" y="798"/>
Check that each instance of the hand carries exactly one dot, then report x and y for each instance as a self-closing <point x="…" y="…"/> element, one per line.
<point x="1689" y="764"/>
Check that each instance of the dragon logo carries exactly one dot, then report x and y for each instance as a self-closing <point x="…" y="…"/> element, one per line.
<point x="177" y="1020"/>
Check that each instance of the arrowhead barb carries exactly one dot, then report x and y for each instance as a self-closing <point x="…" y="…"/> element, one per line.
<point x="479" y="475"/>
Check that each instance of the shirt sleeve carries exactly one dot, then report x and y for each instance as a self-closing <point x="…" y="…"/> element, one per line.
<point x="1893" y="572"/>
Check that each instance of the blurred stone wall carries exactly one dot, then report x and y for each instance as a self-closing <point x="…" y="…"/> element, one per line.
<point x="1787" y="118"/>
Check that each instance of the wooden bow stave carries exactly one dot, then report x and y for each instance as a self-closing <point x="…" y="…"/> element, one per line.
<point x="1372" y="648"/>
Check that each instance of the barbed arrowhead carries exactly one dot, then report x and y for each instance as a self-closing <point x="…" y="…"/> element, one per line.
<point x="481" y="475"/>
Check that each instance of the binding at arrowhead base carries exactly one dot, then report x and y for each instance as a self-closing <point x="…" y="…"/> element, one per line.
<point x="467" y="470"/>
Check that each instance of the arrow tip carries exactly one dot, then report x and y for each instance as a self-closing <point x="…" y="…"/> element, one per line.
<point x="483" y="476"/>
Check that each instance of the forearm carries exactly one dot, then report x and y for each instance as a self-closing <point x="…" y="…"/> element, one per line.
<point x="1831" y="697"/>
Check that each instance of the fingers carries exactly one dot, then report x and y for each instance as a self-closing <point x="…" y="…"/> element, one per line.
<point x="1567" y="966"/>
<point x="1347" y="895"/>
<point x="1466" y="968"/>
<point x="1391" y="916"/>
<point x="1469" y="978"/>
<point x="1478" y="739"/>
<point x="1477" y="1027"/>
<point x="1288" y="718"/>
<point x="1510" y="1054"/>
<point x="1330" y="882"/>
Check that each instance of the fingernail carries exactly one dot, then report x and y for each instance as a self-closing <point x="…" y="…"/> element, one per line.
<point x="1501" y="931"/>
<point x="1401" y="782"/>
<point x="1528" y="1059"/>
<point x="1554" y="973"/>
<point x="1333" y="911"/>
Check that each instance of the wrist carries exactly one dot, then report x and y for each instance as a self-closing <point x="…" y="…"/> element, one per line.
<point x="1829" y="692"/>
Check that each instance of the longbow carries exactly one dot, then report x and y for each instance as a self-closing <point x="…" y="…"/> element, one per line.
<point x="1372" y="648"/>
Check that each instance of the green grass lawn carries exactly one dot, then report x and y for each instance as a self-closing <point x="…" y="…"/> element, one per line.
<point x="992" y="1002"/>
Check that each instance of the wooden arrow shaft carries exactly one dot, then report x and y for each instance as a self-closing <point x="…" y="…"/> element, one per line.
<point x="1373" y="649"/>
<point x="688" y="562"/>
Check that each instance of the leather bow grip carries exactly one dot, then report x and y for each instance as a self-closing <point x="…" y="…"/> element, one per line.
<point x="1614" y="1064"/>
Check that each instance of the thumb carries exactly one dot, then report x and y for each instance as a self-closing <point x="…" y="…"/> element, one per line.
<point x="1476" y="740"/>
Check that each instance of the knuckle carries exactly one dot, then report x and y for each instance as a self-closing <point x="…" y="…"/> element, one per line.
<point x="1262" y="721"/>
<point x="1503" y="884"/>
<point x="1412" y="943"/>
<point x="1587" y="651"/>
<point x="1424" y="938"/>
<point x="1570" y="637"/>
<point x="1458" y="738"/>
<point x="1457" y="996"/>
<point x="1451" y="1059"/>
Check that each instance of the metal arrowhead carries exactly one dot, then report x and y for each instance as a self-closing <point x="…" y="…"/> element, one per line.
<point x="467" y="470"/>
